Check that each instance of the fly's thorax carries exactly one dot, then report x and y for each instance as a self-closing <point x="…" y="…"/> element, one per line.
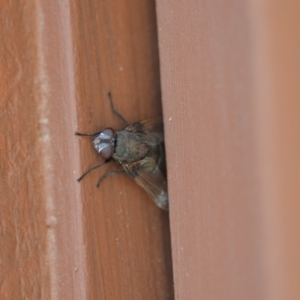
<point x="129" y="147"/>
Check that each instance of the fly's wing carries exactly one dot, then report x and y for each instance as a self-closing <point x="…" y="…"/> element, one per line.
<point x="154" y="124"/>
<point x="147" y="174"/>
<point x="150" y="130"/>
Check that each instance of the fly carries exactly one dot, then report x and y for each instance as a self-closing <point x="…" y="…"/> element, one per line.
<point x="139" y="149"/>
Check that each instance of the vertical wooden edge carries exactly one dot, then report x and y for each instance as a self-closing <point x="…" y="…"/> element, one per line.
<point x="43" y="251"/>
<point x="56" y="93"/>
<point x="127" y="237"/>
<point x="230" y="89"/>
<point x="276" y="68"/>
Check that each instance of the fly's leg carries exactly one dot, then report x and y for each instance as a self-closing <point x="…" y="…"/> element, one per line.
<point x="109" y="173"/>
<point x="92" y="169"/>
<point x="114" y="110"/>
<point x="87" y="134"/>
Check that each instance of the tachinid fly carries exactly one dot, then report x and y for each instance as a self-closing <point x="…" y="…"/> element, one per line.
<point x="139" y="149"/>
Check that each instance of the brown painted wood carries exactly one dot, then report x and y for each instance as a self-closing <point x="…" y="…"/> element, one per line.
<point x="23" y="241"/>
<point x="230" y="89"/>
<point x="61" y="239"/>
<point x="126" y="235"/>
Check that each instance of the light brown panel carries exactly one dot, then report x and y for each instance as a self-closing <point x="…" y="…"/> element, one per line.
<point x="230" y="89"/>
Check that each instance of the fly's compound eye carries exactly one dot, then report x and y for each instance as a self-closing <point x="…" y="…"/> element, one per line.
<point x="105" y="143"/>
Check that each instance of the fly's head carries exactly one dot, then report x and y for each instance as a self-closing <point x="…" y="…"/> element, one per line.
<point x="105" y="143"/>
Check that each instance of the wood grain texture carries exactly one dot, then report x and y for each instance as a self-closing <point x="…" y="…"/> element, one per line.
<point x="230" y="89"/>
<point x="42" y="250"/>
<point x="24" y="271"/>
<point x="126" y="235"/>
<point x="61" y="239"/>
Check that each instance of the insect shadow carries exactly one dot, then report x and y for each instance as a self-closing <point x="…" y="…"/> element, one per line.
<point x="139" y="149"/>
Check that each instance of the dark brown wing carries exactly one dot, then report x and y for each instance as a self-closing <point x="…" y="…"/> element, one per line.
<point x="147" y="174"/>
<point x="154" y="124"/>
<point x="149" y="129"/>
